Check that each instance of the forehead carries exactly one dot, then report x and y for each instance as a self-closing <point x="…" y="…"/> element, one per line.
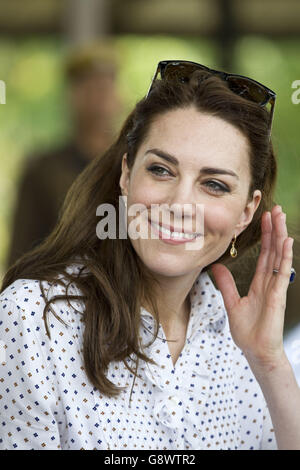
<point x="194" y="137"/>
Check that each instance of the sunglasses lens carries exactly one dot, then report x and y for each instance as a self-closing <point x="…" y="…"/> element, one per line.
<point x="247" y="89"/>
<point x="179" y="71"/>
<point x="239" y="85"/>
<point x="242" y="86"/>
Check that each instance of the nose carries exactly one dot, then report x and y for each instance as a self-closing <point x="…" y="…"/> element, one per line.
<point x="185" y="209"/>
<point x="183" y="198"/>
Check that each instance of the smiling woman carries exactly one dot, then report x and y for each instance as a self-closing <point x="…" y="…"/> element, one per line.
<point x="165" y="181"/>
<point x="125" y="342"/>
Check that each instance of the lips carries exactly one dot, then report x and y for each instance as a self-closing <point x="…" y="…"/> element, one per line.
<point x="174" y="237"/>
<point x="171" y="228"/>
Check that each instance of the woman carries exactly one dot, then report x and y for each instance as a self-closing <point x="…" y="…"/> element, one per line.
<point x="124" y="342"/>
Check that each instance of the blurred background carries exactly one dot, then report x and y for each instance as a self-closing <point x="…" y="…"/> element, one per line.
<point x="73" y="69"/>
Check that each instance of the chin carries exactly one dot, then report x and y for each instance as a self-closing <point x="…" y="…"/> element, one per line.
<point x="167" y="269"/>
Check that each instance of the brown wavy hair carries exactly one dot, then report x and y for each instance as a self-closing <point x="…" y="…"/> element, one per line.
<point x="117" y="281"/>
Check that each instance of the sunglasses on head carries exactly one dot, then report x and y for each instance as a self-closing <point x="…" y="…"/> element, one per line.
<point x="243" y="86"/>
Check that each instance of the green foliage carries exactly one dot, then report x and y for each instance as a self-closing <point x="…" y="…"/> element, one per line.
<point x="277" y="65"/>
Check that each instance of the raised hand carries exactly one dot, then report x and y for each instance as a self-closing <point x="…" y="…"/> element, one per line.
<point x="256" y="321"/>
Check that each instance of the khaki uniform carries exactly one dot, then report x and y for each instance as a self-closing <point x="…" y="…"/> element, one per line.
<point x="43" y="187"/>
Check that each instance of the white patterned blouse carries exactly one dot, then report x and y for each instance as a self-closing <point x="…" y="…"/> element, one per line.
<point x="209" y="400"/>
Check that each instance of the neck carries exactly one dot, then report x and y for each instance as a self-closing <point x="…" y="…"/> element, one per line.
<point x="173" y="300"/>
<point x="92" y="141"/>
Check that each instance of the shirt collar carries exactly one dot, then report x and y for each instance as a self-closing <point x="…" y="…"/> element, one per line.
<point x="207" y="306"/>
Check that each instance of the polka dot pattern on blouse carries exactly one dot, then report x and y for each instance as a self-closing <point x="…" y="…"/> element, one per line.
<point x="209" y="400"/>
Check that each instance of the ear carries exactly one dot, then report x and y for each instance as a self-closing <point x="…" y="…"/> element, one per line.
<point x="124" y="179"/>
<point x="248" y="212"/>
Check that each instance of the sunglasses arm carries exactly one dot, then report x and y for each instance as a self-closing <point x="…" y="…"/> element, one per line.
<point x="152" y="81"/>
<point x="272" y="101"/>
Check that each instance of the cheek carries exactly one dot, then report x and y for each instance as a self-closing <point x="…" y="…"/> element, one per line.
<point x="143" y="191"/>
<point x="141" y="195"/>
<point x="220" y="218"/>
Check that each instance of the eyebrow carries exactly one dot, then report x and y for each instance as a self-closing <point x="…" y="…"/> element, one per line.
<point x="205" y="170"/>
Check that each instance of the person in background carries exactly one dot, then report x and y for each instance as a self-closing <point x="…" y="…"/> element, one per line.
<point x="292" y="349"/>
<point x="91" y="73"/>
<point x="292" y="316"/>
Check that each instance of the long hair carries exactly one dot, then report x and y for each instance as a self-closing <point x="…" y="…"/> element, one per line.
<point x="116" y="280"/>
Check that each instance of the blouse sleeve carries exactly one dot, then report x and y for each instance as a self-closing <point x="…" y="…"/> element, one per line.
<point x="268" y="441"/>
<point x="28" y="406"/>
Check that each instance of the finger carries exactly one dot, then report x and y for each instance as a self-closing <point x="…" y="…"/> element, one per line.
<point x="277" y="218"/>
<point x="273" y="235"/>
<point x="266" y="238"/>
<point x="276" y="299"/>
<point x="226" y="285"/>
<point x="262" y="263"/>
<point x="282" y="234"/>
<point x="282" y="278"/>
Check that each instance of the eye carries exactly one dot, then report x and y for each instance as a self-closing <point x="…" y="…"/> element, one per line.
<point x="158" y="170"/>
<point x="216" y="187"/>
<point x="213" y="186"/>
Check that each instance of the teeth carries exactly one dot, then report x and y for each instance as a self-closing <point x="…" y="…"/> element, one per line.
<point x="164" y="230"/>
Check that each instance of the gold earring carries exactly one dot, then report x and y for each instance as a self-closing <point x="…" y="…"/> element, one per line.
<point x="233" y="251"/>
